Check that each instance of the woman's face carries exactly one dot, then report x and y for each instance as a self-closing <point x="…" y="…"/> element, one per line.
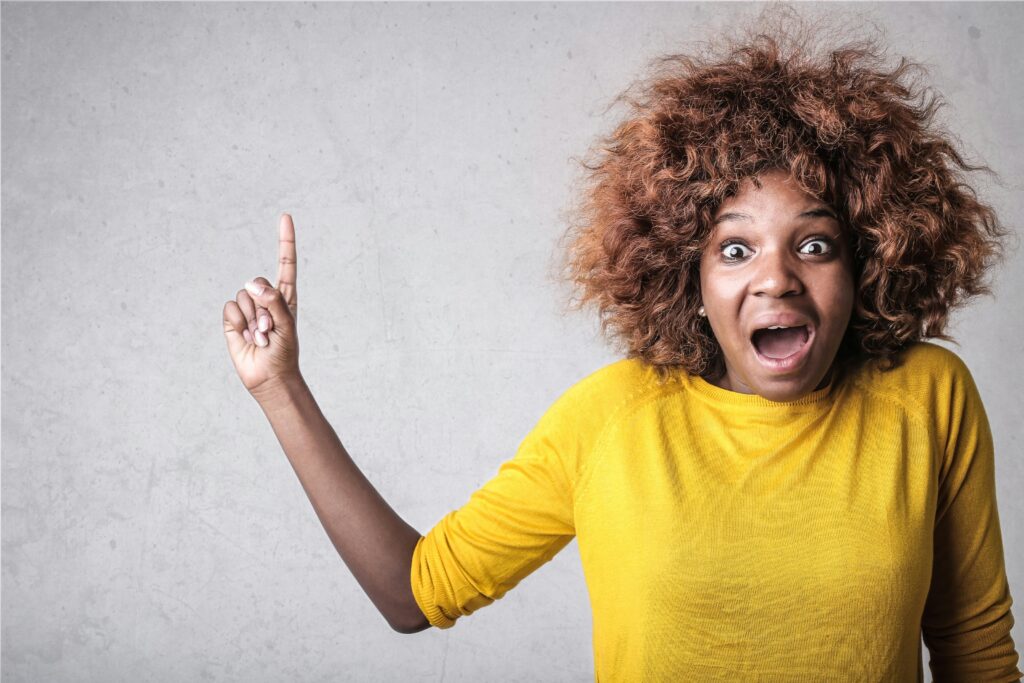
<point x="776" y="257"/>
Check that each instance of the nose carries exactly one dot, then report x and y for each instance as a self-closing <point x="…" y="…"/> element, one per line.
<point x="777" y="275"/>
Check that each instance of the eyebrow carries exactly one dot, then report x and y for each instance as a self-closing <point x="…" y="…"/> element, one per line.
<point x="813" y="213"/>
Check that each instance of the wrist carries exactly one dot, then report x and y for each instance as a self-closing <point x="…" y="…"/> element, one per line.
<point x="280" y="391"/>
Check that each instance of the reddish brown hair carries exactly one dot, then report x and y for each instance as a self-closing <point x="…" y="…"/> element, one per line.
<point x="852" y="131"/>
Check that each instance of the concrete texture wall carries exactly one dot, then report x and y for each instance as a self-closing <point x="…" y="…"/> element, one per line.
<point x="152" y="528"/>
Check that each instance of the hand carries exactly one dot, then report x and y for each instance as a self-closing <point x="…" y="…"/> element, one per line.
<point x="266" y="354"/>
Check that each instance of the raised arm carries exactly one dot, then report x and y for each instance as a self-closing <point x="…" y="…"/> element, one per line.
<point x="374" y="542"/>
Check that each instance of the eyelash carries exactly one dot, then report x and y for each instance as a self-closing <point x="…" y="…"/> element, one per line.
<point x="731" y="242"/>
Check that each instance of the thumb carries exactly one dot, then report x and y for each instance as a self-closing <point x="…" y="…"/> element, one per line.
<point x="273" y="300"/>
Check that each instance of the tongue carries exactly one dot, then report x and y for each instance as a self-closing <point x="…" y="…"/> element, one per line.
<point x="780" y="343"/>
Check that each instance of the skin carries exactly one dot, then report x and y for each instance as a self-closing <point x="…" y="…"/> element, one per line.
<point x="778" y="262"/>
<point x="375" y="543"/>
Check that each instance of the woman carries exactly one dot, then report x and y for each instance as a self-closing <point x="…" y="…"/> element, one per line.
<point x="781" y="480"/>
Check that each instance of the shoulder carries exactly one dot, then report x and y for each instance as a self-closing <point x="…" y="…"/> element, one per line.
<point x="609" y="389"/>
<point x="934" y="360"/>
<point x="920" y="364"/>
<point x="927" y="378"/>
<point x="581" y="413"/>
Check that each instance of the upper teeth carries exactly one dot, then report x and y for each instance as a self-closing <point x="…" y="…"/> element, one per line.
<point x="778" y="327"/>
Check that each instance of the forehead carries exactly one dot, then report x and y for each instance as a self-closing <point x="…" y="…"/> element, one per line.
<point x="774" y="199"/>
<point x="774" y="190"/>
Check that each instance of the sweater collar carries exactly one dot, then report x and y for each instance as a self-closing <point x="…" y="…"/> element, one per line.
<point x="736" y="399"/>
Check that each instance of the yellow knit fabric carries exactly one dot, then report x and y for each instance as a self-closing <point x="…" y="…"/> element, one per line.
<point x="726" y="537"/>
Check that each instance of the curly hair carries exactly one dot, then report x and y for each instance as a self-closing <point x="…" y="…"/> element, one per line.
<point x="851" y="131"/>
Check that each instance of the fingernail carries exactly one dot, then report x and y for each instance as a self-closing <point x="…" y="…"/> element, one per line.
<point x="261" y="340"/>
<point x="254" y="288"/>
<point x="264" y="323"/>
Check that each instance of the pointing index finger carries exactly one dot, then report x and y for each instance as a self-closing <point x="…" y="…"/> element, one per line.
<point x="286" y="259"/>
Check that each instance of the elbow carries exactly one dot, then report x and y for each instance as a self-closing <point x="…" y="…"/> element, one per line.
<point x="406" y="617"/>
<point x="421" y="624"/>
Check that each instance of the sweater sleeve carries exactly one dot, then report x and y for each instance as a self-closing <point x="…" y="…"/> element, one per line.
<point x="513" y="524"/>
<point x="967" y="619"/>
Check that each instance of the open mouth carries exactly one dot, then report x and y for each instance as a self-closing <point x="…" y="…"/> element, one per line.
<point x="784" y="347"/>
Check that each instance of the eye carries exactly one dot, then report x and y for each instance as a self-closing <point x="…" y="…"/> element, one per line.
<point x="825" y="248"/>
<point x="733" y="251"/>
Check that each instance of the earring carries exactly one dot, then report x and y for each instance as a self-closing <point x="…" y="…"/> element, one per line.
<point x="701" y="313"/>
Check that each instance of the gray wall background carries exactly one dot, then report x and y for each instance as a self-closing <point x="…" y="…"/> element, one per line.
<point x="152" y="528"/>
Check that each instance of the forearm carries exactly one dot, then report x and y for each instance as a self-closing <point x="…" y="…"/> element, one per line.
<point x="374" y="542"/>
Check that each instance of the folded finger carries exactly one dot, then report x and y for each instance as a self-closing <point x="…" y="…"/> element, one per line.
<point x="234" y="327"/>
<point x="247" y="306"/>
<point x="264" y="322"/>
<point x="262" y="319"/>
<point x="251" y="311"/>
<point x="279" y="313"/>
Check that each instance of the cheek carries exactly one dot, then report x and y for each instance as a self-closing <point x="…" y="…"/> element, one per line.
<point x="838" y="300"/>
<point x="726" y="296"/>
<point x="717" y="284"/>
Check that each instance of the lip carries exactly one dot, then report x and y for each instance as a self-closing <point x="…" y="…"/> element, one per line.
<point x="790" y="362"/>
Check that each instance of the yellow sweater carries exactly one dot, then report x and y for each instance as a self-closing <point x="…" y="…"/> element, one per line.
<point x="725" y="537"/>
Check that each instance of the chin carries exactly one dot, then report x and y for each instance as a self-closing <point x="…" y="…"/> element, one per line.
<point x="789" y="378"/>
